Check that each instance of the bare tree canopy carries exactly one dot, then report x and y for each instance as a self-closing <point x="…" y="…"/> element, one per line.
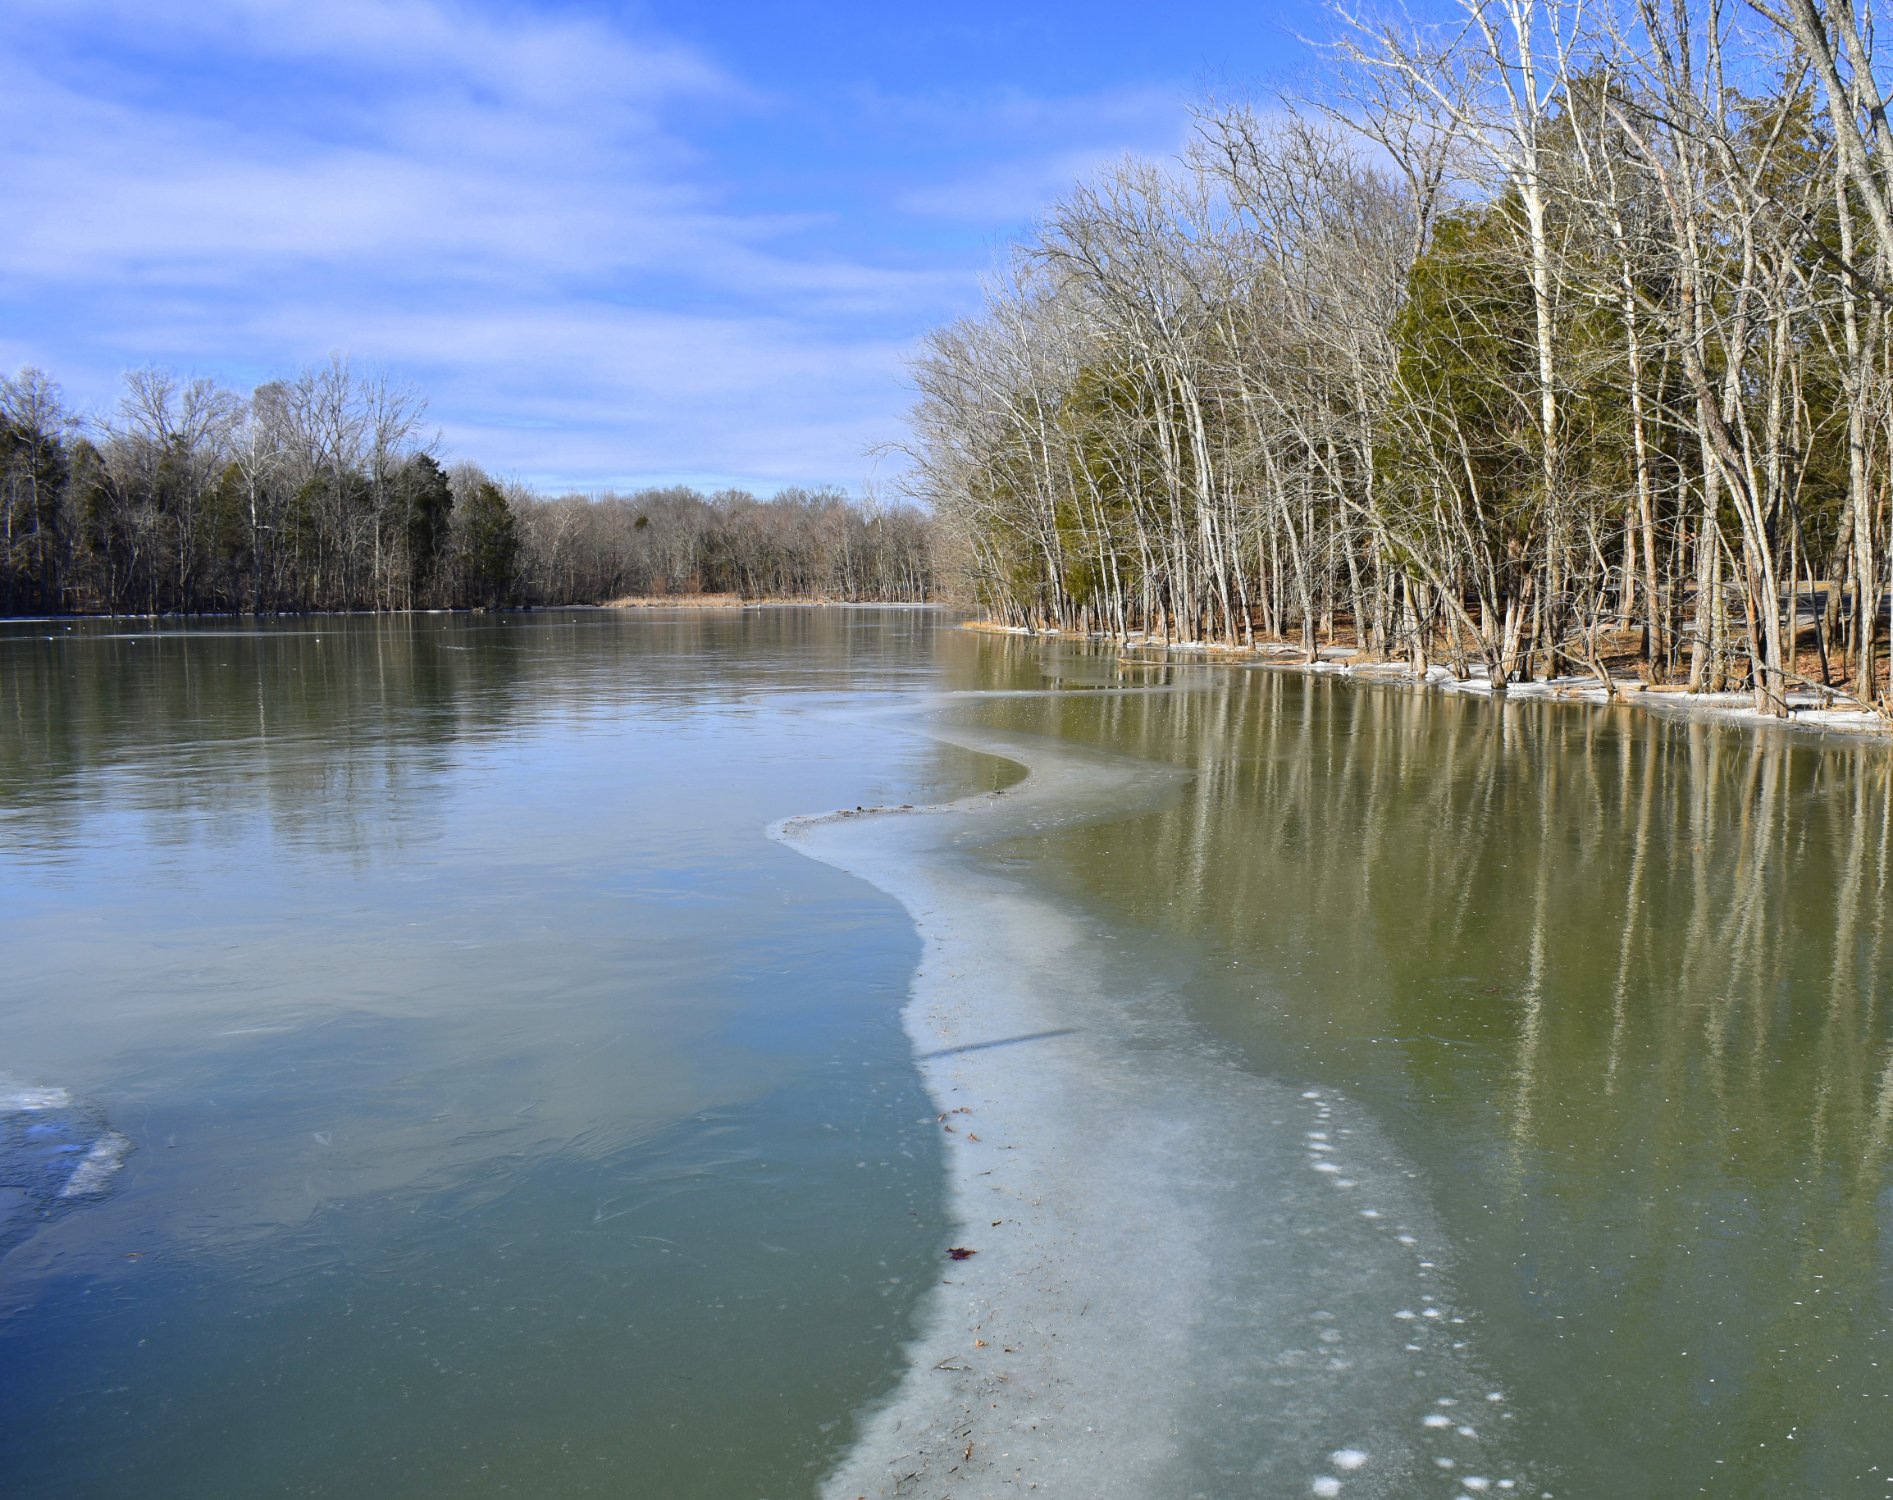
<point x="1549" y="340"/>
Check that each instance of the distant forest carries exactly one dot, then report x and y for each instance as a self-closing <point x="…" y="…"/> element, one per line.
<point x="323" y="492"/>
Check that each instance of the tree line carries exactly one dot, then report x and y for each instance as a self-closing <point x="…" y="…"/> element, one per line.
<point x="324" y="492"/>
<point x="1534" y="343"/>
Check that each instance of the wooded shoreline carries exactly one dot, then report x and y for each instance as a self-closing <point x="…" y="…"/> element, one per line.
<point x="325" y="491"/>
<point x="1806" y="709"/>
<point x="1512" y="334"/>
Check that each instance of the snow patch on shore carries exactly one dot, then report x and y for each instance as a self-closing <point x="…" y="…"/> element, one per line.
<point x="1808" y="708"/>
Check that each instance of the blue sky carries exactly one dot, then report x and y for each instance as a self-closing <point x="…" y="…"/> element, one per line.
<point x="612" y="244"/>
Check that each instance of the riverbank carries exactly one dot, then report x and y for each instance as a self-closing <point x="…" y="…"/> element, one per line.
<point x="1809" y="708"/>
<point x="739" y="601"/>
<point x="629" y="602"/>
<point x="696" y="601"/>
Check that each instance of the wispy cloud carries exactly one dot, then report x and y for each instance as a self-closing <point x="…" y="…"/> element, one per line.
<point x="1055" y="143"/>
<point x="525" y="213"/>
<point x="417" y="134"/>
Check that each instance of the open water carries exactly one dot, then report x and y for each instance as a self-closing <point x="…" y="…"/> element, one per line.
<point x="420" y="1074"/>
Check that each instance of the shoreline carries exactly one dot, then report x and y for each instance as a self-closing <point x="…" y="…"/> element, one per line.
<point x="1807" y="714"/>
<point x="738" y="601"/>
<point x="630" y="602"/>
<point x="1156" y="1243"/>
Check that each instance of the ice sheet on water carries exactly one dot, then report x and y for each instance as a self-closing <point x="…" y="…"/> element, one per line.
<point x="1142" y="1207"/>
<point x="92" y="1178"/>
<point x="16" y="1100"/>
<point x="54" y="1153"/>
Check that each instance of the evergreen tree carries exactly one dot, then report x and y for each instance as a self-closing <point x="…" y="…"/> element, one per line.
<point x="428" y="501"/>
<point x="490" y="564"/>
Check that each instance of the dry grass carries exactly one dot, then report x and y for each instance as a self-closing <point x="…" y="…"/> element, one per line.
<point x="677" y="601"/>
<point x="701" y="601"/>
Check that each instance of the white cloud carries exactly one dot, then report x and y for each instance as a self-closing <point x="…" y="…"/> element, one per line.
<point x="518" y="54"/>
<point x="516" y="212"/>
<point x="470" y="158"/>
<point x="1009" y="192"/>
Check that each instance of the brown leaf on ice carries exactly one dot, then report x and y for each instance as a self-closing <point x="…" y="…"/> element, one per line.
<point x="960" y="1252"/>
